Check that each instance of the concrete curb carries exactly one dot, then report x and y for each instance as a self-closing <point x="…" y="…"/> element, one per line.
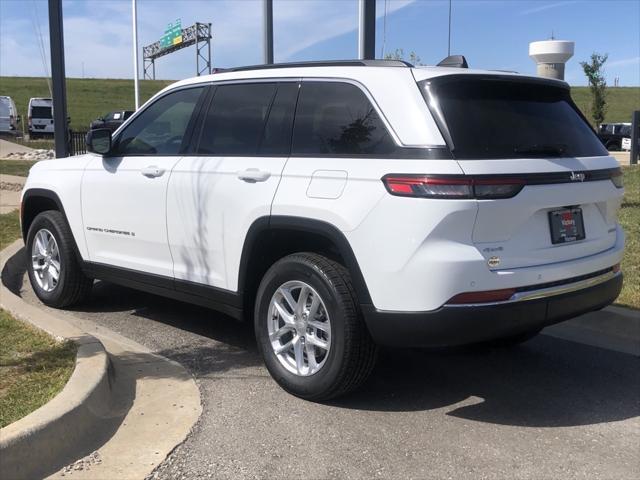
<point x="63" y="424"/>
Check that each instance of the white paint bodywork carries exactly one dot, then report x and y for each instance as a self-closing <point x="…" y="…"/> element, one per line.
<point x="415" y="254"/>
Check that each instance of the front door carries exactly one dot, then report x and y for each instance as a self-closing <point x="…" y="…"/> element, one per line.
<point x="124" y="193"/>
<point x="229" y="181"/>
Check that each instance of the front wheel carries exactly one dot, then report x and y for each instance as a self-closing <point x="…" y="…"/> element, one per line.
<point x="309" y="329"/>
<point x="54" y="272"/>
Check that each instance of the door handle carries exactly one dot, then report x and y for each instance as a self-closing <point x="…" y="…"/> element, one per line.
<point x="152" y="171"/>
<point x="253" y="175"/>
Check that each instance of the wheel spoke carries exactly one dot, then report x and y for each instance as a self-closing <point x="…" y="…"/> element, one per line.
<point x="324" y="326"/>
<point x="286" y="294"/>
<point x="40" y="243"/>
<point x="283" y="348"/>
<point x="278" y="333"/>
<point x="311" y="356"/>
<point x="54" y="270"/>
<point x="302" y="300"/>
<point x="299" y="355"/>
<point x="313" y="309"/>
<point x="284" y="315"/>
<point x="313" y="340"/>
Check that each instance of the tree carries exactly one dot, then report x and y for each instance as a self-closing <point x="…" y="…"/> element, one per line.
<point x="598" y="86"/>
<point x="399" y="55"/>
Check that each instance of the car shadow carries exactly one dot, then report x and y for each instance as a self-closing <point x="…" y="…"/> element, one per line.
<point x="546" y="382"/>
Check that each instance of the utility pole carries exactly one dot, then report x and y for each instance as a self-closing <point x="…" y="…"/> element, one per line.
<point x="59" y="90"/>
<point x="449" y="43"/>
<point x="367" y="29"/>
<point x="136" y="69"/>
<point x="268" y="31"/>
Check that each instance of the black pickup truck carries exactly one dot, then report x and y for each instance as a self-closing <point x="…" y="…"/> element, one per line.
<point x="611" y="134"/>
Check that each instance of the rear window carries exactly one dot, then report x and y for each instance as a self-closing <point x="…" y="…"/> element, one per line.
<point x="41" y="112"/>
<point x="5" y="111"/>
<point x="496" y="118"/>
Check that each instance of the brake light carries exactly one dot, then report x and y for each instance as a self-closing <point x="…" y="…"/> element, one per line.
<point x="615" y="268"/>
<point x="29" y="120"/>
<point x="616" y="178"/>
<point x="451" y="187"/>
<point x="488" y="296"/>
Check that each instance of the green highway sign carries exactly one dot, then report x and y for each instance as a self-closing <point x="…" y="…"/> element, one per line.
<point x="172" y="35"/>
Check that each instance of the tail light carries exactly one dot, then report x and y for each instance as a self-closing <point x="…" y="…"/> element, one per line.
<point x="487" y="296"/>
<point x="452" y="187"/>
<point x="616" y="178"/>
<point x="29" y="120"/>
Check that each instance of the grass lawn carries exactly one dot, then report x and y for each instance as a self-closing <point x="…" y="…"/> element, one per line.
<point x="630" y="220"/>
<point x="19" y="168"/>
<point x="621" y="102"/>
<point x="9" y="228"/>
<point x="34" y="367"/>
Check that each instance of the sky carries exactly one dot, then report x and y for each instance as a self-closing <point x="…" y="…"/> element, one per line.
<point x="492" y="34"/>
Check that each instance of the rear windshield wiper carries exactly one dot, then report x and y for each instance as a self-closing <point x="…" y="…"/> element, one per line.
<point x="542" y="149"/>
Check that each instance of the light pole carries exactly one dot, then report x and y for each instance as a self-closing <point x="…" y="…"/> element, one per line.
<point x="268" y="31"/>
<point x="367" y="29"/>
<point x="136" y="78"/>
<point x="58" y="87"/>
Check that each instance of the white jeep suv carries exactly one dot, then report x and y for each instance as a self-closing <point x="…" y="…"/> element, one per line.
<point x="341" y="206"/>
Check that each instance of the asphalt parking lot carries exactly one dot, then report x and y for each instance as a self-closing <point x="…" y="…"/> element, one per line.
<point x="547" y="409"/>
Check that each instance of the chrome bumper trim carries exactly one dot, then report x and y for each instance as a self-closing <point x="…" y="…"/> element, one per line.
<point x="546" y="292"/>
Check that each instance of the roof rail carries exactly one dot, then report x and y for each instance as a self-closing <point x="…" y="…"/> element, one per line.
<point x="329" y="63"/>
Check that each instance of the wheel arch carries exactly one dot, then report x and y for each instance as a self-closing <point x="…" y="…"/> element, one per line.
<point x="267" y="240"/>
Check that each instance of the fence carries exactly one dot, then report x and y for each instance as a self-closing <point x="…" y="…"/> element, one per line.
<point x="77" y="144"/>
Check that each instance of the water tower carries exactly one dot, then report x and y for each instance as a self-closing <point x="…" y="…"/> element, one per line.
<point x="550" y="56"/>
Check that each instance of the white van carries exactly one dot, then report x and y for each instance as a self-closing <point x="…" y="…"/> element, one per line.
<point x="40" y="117"/>
<point x="8" y="116"/>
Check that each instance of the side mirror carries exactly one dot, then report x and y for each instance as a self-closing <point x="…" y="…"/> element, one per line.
<point x="99" y="141"/>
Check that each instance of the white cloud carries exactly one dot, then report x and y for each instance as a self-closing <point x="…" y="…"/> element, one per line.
<point x="625" y="62"/>
<point x="98" y="33"/>
<point x="547" y="6"/>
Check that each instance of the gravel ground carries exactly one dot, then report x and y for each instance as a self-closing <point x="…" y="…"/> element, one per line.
<point x="547" y="409"/>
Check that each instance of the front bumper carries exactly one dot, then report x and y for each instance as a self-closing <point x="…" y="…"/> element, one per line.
<point x="461" y="325"/>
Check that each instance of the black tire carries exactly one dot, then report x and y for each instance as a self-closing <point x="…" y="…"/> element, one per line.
<point x="352" y="353"/>
<point x="73" y="286"/>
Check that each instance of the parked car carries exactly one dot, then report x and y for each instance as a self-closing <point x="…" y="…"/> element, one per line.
<point x="40" y="114"/>
<point x="611" y="134"/>
<point x="626" y="141"/>
<point x="340" y="206"/>
<point x="9" y="118"/>
<point x="111" y="120"/>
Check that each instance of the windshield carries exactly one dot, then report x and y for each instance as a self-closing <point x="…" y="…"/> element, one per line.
<point x="495" y="117"/>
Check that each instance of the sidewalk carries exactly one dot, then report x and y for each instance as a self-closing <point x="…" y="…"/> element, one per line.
<point x="10" y="188"/>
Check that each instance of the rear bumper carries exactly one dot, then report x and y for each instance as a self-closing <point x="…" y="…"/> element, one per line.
<point x="461" y="325"/>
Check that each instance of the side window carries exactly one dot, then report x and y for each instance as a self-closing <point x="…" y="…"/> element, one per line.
<point x="276" y="139"/>
<point x="236" y="119"/>
<point x="337" y="118"/>
<point x="159" y="129"/>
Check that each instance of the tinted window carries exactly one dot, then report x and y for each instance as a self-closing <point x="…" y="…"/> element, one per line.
<point x="159" y="129"/>
<point x="276" y="139"/>
<point x="5" y="110"/>
<point x="236" y="119"/>
<point x="489" y="118"/>
<point x="41" y="112"/>
<point x="337" y="118"/>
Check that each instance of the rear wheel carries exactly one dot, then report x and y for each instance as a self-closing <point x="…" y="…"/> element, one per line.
<point x="309" y="329"/>
<point x="54" y="272"/>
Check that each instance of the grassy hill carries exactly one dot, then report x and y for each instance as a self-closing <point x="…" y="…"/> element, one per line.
<point x="90" y="98"/>
<point x="87" y="98"/>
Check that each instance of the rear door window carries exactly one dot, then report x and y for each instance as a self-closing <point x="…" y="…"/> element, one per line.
<point x="494" y="117"/>
<point x="236" y="119"/>
<point x="334" y="118"/>
<point x="41" y="112"/>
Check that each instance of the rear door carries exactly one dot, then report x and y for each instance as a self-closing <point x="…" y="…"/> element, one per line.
<point x="228" y="180"/>
<point x="529" y="136"/>
<point x="124" y="194"/>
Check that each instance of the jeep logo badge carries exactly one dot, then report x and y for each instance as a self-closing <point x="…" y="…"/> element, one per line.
<point x="493" y="262"/>
<point x="577" y="177"/>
